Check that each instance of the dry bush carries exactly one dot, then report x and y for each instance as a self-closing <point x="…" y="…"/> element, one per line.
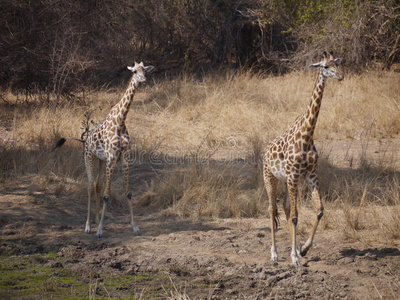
<point x="94" y="42"/>
<point x="224" y="107"/>
<point x="203" y="190"/>
<point x="35" y="131"/>
<point x="363" y="197"/>
<point x="389" y="213"/>
<point x="363" y="32"/>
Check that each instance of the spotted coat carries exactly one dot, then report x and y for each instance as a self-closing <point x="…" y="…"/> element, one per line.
<point x="109" y="142"/>
<point x="293" y="156"/>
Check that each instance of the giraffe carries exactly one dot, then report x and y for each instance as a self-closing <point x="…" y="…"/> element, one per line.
<point x="293" y="156"/>
<point x="107" y="143"/>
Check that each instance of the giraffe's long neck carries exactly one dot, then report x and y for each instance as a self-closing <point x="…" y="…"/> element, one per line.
<point x="121" y="109"/>
<point x="312" y="111"/>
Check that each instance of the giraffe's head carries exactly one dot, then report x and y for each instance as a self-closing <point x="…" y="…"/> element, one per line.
<point x="139" y="73"/>
<point x="329" y="66"/>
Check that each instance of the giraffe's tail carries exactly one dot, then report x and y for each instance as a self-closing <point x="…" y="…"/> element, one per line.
<point x="63" y="140"/>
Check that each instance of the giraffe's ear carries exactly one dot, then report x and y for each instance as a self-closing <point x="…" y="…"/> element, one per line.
<point x="149" y="69"/>
<point x="338" y="61"/>
<point x="130" y="68"/>
<point x="315" y="66"/>
<point x="141" y="64"/>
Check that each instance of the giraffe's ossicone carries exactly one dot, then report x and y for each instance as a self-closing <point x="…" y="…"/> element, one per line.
<point x="293" y="156"/>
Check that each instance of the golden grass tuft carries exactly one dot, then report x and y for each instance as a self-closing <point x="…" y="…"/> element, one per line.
<point x="199" y="190"/>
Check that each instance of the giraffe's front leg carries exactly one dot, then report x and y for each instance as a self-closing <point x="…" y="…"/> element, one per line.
<point x="110" y="164"/>
<point x="125" y="160"/>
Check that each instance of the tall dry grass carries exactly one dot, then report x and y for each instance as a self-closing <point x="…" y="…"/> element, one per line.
<point x="225" y="121"/>
<point x="243" y="104"/>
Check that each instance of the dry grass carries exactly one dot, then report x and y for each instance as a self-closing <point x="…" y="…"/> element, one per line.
<point x="224" y="122"/>
<point x="238" y="106"/>
<point x="199" y="190"/>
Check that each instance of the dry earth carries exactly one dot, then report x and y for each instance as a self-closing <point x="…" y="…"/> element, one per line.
<point x="216" y="259"/>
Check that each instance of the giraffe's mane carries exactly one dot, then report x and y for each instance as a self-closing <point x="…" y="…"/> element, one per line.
<point x="126" y="88"/>
<point x="129" y="82"/>
<point x="303" y="115"/>
<point x="316" y="80"/>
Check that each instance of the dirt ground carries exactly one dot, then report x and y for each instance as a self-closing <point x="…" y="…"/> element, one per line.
<point x="217" y="259"/>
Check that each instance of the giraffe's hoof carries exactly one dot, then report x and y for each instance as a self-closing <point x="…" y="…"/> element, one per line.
<point x="295" y="259"/>
<point x="106" y="198"/>
<point x="303" y="251"/>
<point x="99" y="233"/>
<point x="274" y="256"/>
<point x="136" y="231"/>
<point x="87" y="227"/>
<point x="129" y="195"/>
<point x="299" y="251"/>
<point x="296" y="263"/>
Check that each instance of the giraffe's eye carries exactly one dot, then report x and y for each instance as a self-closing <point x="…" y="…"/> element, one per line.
<point x="326" y="67"/>
<point x="134" y="72"/>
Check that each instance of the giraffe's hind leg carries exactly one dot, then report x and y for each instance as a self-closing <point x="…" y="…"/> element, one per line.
<point x="98" y="188"/>
<point x="271" y="184"/>
<point x="125" y="160"/>
<point x="312" y="180"/>
<point x="89" y="163"/>
<point x="286" y="206"/>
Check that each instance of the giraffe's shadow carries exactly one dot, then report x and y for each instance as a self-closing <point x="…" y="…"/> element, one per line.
<point x="378" y="253"/>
